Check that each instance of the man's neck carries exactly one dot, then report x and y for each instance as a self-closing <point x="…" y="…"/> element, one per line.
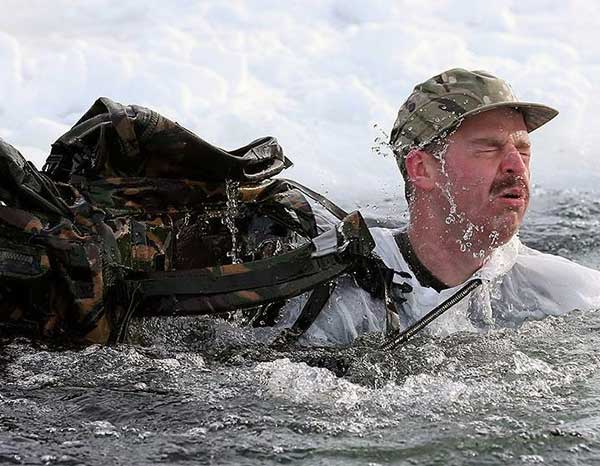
<point x="438" y="249"/>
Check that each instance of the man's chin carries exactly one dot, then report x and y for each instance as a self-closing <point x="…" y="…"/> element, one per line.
<point x="504" y="228"/>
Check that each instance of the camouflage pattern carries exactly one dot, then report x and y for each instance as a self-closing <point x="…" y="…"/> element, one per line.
<point x="166" y="224"/>
<point x="53" y="281"/>
<point x="135" y="214"/>
<point x="113" y="140"/>
<point x="227" y="287"/>
<point x="438" y="105"/>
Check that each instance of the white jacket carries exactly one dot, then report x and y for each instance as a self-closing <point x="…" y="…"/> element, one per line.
<point x="519" y="283"/>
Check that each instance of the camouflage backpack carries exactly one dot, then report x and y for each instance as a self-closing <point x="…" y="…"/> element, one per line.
<point x="167" y="224"/>
<point x="51" y="257"/>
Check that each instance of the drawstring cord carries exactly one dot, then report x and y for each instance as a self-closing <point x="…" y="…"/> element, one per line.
<point x="398" y="338"/>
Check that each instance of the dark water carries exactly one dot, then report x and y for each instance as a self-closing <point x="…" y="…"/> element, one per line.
<point x="195" y="392"/>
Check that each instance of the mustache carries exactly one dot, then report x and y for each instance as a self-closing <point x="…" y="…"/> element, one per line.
<point x="509" y="182"/>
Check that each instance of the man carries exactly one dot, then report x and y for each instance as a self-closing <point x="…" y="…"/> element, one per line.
<point x="462" y="145"/>
<point x="461" y="142"/>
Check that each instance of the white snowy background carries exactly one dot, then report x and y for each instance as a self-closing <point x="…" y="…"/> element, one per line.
<point x="326" y="77"/>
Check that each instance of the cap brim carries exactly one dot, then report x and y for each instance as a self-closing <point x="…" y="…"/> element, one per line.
<point x="535" y="115"/>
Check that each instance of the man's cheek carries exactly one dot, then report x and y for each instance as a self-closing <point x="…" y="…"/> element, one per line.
<point x="471" y="185"/>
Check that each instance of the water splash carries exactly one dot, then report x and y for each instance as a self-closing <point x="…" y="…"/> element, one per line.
<point x="381" y="145"/>
<point x="232" y="210"/>
<point x="509" y="396"/>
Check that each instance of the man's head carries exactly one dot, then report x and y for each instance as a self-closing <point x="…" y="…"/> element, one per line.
<point x="461" y="142"/>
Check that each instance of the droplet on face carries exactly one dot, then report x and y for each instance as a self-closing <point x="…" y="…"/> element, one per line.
<point x="494" y="235"/>
<point x="479" y="255"/>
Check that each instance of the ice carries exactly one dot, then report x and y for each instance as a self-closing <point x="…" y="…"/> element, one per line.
<point x="316" y="74"/>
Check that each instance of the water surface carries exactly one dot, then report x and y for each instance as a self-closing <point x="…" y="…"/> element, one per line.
<point x="199" y="392"/>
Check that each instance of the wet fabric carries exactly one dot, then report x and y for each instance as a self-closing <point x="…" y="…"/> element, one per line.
<point x="520" y="284"/>
<point x="119" y="224"/>
<point x="116" y="140"/>
<point x="350" y="311"/>
<point x="439" y="104"/>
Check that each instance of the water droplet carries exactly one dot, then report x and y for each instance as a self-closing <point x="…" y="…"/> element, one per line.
<point x="229" y="217"/>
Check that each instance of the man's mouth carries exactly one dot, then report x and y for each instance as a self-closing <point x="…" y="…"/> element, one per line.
<point x="510" y="189"/>
<point x="513" y="198"/>
<point x="515" y="193"/>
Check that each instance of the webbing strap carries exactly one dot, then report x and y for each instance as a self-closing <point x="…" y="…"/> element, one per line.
<point x="237" y="286"/>
<point x="335" y="210"/>
<point x="225" y="302"/>
<point x="311" y="310"/>
<point x="232" y="277"/>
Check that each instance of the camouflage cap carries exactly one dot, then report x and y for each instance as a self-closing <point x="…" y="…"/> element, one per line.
<point x="438" y="105"/>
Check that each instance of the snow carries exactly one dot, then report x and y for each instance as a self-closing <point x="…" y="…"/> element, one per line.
<point x="326" y="77"/>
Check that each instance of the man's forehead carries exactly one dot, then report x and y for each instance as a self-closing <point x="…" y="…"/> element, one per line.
<point x="502" y="122"/>
<point x="501" y="136"/>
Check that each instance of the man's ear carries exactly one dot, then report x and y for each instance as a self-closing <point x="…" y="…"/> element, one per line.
<point x="421" y="169"/>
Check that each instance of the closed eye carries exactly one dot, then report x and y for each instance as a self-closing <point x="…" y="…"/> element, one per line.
<point x="487" y="151"/>
<point x="524" y="151"/>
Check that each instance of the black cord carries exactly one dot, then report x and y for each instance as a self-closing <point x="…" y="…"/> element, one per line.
<point x="398" y="338"/>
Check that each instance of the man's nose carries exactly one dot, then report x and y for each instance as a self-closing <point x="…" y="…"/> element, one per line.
<point x="513" y="161"/>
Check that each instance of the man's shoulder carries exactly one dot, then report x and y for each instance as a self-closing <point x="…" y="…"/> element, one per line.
<point x="556" y="268"/>
<point x="554" y="283"/>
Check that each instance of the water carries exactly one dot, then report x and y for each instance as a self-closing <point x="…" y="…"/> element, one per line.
<point x="231" y="213"/>
<point x="199" y="392"/>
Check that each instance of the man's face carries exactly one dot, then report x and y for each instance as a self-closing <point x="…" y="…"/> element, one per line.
<point x="483" y="179"/>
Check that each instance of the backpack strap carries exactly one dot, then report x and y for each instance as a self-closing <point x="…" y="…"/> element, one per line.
<point x="311" y="310"/>
<point x="23" y="186"/>
<point x="333" y="208"/>
<point x="238" y="286"/>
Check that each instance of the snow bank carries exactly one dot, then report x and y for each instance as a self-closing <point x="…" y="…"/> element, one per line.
<point x="318" y="75"/>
